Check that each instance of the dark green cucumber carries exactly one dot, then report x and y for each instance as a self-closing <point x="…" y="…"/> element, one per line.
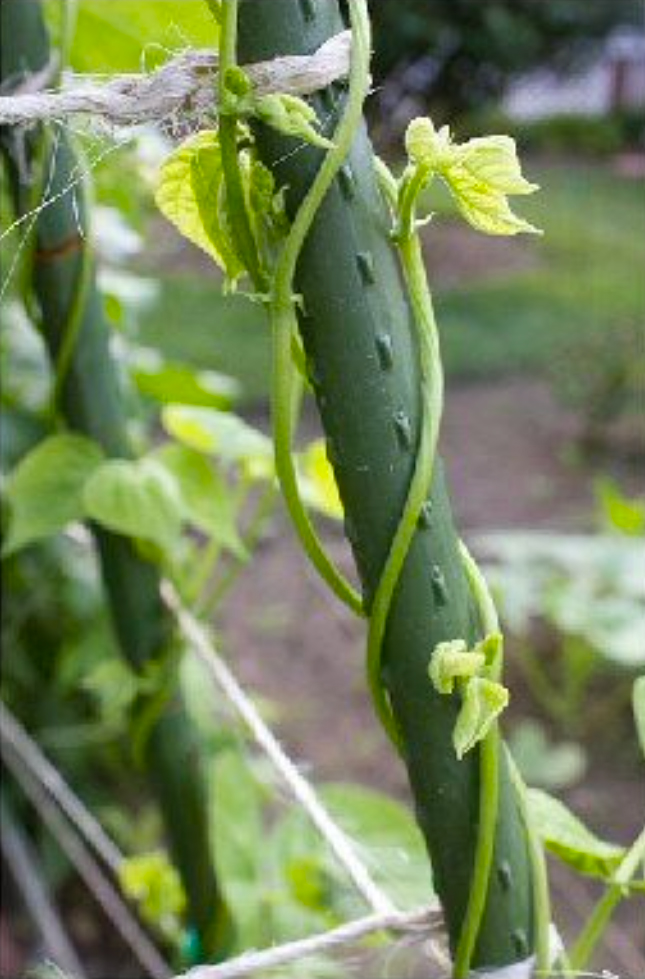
<point x="92" y="404"/>
<point x="361" y="345"/>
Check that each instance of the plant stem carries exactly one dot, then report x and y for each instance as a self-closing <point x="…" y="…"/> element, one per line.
<point x="432" y="407"/>
<point x="210" y="604"/>
<point x="541" y="894"/>
<point x="489" y="775"/>
<point x="283" y="317"/>
<point x="282" y="415"/>
<point x="236" y="203"/>
<point x="601" y="914"/>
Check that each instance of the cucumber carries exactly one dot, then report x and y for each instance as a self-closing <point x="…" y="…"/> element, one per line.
<point x="91" y="403"/>
<point x="362" y="353"/>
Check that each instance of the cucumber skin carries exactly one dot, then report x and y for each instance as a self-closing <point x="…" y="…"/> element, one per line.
<point x="92" y="404"/>
<point x="367" y="391"/>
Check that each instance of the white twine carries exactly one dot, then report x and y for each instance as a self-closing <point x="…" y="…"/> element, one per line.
<point x="301" y="789"/>
<point x="517" y="970"/>
<point x="30" y="755"/>
<point x="89" y="870"/>
<point x="348" y="934"/>
<point x="186" y="83"/>
<point x="21" y="859"/>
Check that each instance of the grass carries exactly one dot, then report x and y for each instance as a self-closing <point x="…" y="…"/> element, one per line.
<point x="584" y="277"/>
<point x="193" y="322"/>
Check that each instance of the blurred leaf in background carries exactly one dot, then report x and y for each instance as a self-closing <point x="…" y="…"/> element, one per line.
<point x="545" y="763"/>
<point x="134" y="36"/>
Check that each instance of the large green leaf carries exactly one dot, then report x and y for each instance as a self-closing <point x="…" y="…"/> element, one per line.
<point x="221" y="434"/>
<point x="138" y="499"/>
<point x="389" y="839"/>
<point x="129" y="35"/>
<point x="168" y="382"/>
<point x="385" y="834"/>
<point x="206" y="499"/>
<point x="45" y="490"/>
<point x="568" y="838"/>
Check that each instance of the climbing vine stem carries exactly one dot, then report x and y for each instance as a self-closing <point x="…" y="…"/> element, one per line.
<point x="488" y="782"/>
<point x="432" y="402"/>
<point x="282" y="306"/>
<point x="228" y="131"/>
<point x="406" y="237"/>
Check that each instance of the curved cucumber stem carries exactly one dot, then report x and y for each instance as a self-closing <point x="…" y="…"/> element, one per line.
<point x="542" y="899"/>
<point x="432" y="407"/>
<point x="237" y="212"/>
<point x="283" y="318"/>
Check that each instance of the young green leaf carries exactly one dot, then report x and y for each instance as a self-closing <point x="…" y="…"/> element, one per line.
<point x="190" y="193"/>
<point x="221" y="434"/>
<point x="152" y="882"/>
<point x="481" y="174"/>
<point x="292" y="116"/>
<point x="207" y="502"/>
<point x="137" y="499"/>
<point x="484" y="700"/>
<point x="452" y="661"/>
<point x="45" y="490"/>
<point x="638" y="699"/>
<point x="620" y="513"/>
<point x="569" y="839"/>
<point x="169" y="381"/>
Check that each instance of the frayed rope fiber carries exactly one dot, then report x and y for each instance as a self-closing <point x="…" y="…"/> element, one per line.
<point x="186" y="83"/>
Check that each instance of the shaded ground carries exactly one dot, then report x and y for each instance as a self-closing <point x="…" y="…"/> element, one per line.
<point x="293" y="643"/>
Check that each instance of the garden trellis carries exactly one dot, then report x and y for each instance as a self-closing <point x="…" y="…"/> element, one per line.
<point x="328" y="238"/>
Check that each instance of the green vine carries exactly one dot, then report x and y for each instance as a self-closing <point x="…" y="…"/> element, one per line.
<point x="228" y="131"/>
<point x="601" y="914"/>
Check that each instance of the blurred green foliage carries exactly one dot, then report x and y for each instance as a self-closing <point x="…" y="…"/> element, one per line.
<point x="477" y="46"/>
<point x="133" y="36"/>
<point x="566" y="134"/>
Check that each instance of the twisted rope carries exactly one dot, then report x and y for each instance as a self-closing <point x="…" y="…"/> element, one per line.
<point x="80" y="856"/>
<point x="302" y="790"/>
<point x="259" y="962"/>
<point x="186" y="83"/>
<point x="15" y="738"/>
